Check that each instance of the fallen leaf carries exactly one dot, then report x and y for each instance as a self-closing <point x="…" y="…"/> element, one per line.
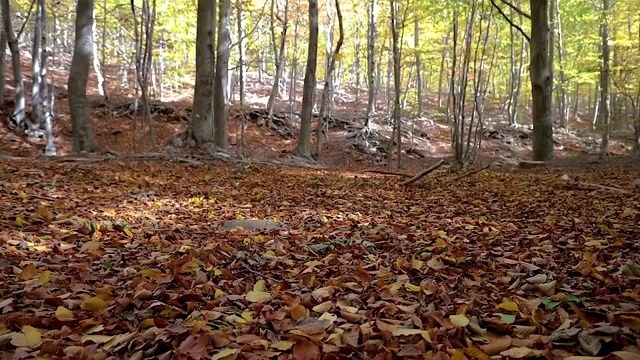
<point x="93" y="304"/>
<point x="460" y="320"/>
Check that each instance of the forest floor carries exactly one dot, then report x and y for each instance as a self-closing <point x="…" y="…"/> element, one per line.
<point x="126" y="257"/>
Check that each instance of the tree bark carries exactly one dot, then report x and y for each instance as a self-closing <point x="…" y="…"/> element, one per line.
<point x="221" y="104"/>
<point x="308" y="95"/>
<point x="201" y="123"/>
<point x="83" y="139"/>
<point x="18" y="117"/>
<point x="326" y="103"/>
<point x="371" y="62"/>
<point x="541" y="82"/>
<point x="3" y="61"/>
<point x="416" y="40"/>
<point x="36" y="65"/>
<point x="605" y="80"/>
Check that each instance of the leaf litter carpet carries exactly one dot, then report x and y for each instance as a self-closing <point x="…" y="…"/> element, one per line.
<point x="132" y="261"/>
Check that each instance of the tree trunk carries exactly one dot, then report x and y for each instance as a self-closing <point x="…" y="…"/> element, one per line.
<point x="397" y="82"/>
<point x="304" y="141"/>
<point x="83" y="139"/>
<point x="36" y="65"/>
<point x="371" y="62"/>
<point x="201" y="124"/>
<point x="562" y="90"/>
<point x="221" y="105"/>
<point x="605" y="80"/>
<point x="541" y="82"/>
<point x="241" y="52"/>
<point x="279" y="53"/>
<point x="17" y="121"/>
<point x="443" y="69"/>
<point x="3" y="61"/>
<point x="416" y="40"/>
<point x="327" y="91"/>
<point x="102" y="88"/>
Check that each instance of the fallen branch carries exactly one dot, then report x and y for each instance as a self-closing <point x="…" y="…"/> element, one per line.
<point x="471" y="173"/>
<point x="579" y="185"/>
<point x="427" y="171"/>
<point x="381" y="172"/>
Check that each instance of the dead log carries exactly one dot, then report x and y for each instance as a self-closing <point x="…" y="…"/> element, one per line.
<point x="425" y="172"/>
<point x="579" y="185"/>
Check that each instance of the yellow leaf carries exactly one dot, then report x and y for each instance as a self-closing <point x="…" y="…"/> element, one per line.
<point x="94" y="304"/>
<point x="458" y="355"/>
<point x="29" y="272"/>
<point x="226" y="354"/>
<point x="518" y="352"/>
<point x="416" y="264"/>
<point x="91" y="246"/>
<point x="247" y="316"/>
<point x="146" y="323"/>
<point x="23" y="195"/>
<point x="398" y="331"/>
<point x="508" y="306"/>
<point x="29" y="337"/>
<point x="259" y="286"/>
<point x="258" y="296"/>
<point x="128" y="232"/>
<point x="20" y="221"/>
<point x="44" y="277"/>
<point x="283" y="345"/>
<point x="64" y="314"/>
<point x="412" y="287"/>
<point x="218" y="293"/>
<point x="460" y="320"/>
<point x="97" y="339"/>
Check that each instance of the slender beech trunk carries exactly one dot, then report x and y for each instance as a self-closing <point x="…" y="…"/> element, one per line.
<point x="3" y="61"/>
<point x="221" y="105"/>
<point x="443" y="69"/>
<point x="18" y="117"/>
<point x="541" y="81"/>
<point x="201" y="123"/>
<point x="326" y="103"/>
<point x="416" y="40"/>
<point x="563" y="101"/>
<point x="83" y="139"/>
<point x="97" y="68"/>
<point x="371" y="62"/>
<point x="36" y="65"/>
<point x="605" y="79"/>
<point x="241" y="55"/>
<point x="397" y="81"/>
<point x="279" y="52"/>
<point x="303" y="147"/>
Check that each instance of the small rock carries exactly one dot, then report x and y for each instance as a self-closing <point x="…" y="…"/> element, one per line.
<point x="251" y="224"/>
<point x="177" y="142"/>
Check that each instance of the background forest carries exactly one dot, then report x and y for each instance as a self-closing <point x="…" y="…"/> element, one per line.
<point x="466" y="65"/>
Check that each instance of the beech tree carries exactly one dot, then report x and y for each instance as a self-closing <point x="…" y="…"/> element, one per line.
<point x="308" y="93"/>
<point x="201" y="124"/>
<point x="83" y="139"/>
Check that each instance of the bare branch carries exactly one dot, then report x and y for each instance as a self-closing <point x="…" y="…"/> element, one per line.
<point x="510" y="22"/>
<point x="517" y="9"/>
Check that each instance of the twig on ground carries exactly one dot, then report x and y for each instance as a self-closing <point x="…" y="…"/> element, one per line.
<point x="382" y="172"/>
<point x="471" y="173"/>
<point x="427" y="171"/>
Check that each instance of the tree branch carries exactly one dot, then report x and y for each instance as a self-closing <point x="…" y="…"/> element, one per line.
<point x="516" y="9"/>
<point x="510" y="22"/>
